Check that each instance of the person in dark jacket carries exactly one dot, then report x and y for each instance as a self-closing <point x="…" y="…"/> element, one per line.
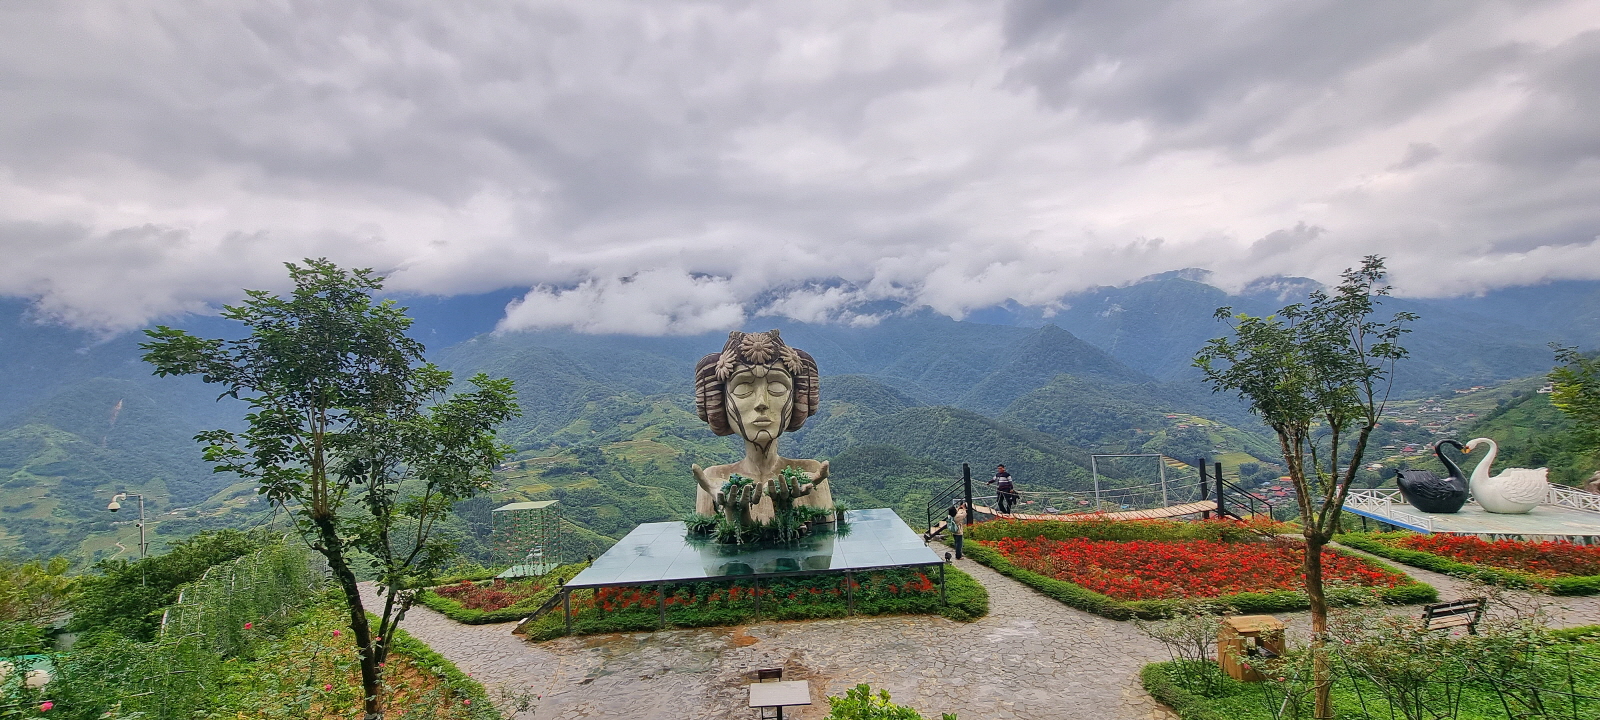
<point x="1005" y="489"/>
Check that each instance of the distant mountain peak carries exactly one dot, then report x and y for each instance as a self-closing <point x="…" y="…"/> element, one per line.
<point x="1279" y="288"/>
<point x="1199" y="275"/>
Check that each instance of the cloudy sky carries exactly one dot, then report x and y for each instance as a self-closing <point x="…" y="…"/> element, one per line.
<point x="658" y="166"/>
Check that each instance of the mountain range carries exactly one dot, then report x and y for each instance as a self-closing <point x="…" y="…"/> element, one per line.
<point x="609" y="429"/>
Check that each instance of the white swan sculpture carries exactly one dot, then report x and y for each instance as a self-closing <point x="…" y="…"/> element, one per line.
<point x="1514" y="491"/>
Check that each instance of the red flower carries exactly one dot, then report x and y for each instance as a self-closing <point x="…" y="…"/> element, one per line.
<point x="1145" y="569"/>
<point x="1548" y="559"/>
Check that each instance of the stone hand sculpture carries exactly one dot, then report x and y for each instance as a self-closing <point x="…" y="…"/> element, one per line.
<point x="759" y="388"/>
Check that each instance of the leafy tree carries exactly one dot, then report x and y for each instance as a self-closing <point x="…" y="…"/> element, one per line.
<point x="34" y="592"/>
<point x="1319" y="374"/>
<point x="125" y="598"/>
<point x="1576" y="392"/>
<point x="350" y="433"/>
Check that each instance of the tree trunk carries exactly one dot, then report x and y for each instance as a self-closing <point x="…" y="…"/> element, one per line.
<point x="371" y="680"/>
<point x="1319" y="625"/>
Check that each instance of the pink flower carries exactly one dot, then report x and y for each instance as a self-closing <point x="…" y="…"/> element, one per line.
<point x="328" y="686"/>
<point x="247" y="626"/>
<point x="45" y="706"/>
<point x="466" y="702"/>
<point x="336" y="633"/>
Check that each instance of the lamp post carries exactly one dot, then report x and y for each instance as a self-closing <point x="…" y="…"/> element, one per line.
<point x="116" y="504"/>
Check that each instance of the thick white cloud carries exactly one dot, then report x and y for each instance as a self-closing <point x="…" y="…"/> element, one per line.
<point x="657" y="167"/>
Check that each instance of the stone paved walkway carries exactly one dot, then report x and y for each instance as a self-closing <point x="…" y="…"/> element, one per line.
<point x="1032" y="657"/>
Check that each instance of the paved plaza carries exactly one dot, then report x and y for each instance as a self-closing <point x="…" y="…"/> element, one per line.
<point x="1032" y="657"/>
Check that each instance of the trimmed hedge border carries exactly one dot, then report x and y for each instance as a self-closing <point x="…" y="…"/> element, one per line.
<point x="1082" y="598"/>
<point x="966" y="601"/>
<point x="1374" y="543"/>
<point x="467" y="616"/>
<point x="482" y="708"/>
<point x="1189" y="706"/>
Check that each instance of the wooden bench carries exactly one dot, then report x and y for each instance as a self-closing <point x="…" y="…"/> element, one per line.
<point x="1456" y="613"/>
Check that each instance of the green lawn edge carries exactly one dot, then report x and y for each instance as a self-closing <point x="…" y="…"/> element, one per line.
<point x="1187" y="705"/>
<point x="1374" y="543"/>
<point x="402" y="642"/>
<point x="1082" y="598"/>
<point x="467" y="616"/>
<point x="967" y="600"/>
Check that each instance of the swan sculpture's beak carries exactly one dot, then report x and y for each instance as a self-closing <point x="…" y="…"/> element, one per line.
<point x="1466" y="451"/>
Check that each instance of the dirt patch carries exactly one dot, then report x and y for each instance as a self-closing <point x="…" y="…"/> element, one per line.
<point x="740" y="637"/>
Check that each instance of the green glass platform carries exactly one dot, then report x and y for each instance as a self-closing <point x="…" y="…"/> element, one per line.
<point x="664" y="553"/>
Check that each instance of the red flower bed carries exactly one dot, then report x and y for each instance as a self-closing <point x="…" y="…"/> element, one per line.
<point x="1148" y="570"/>
<point x="1548" y="559"/>
<point x="495" y="596"/>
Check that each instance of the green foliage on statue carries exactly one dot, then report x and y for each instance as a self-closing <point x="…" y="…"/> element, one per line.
<point x="351" y="432"/>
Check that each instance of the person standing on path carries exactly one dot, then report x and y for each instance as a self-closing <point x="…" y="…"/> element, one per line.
<point x="958" y="525"/>
<point x="1005" y="489"/>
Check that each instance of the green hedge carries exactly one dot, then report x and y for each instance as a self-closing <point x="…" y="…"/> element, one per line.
<point x="1158" y="682"/>
<point x="966" y="600"/>
<point x="1378" y="544"/>
<point x="1082" y="598"/>
<point x="461" y="614"/>
<point x="1114" y="530"/>
<point x="459" y="682"/>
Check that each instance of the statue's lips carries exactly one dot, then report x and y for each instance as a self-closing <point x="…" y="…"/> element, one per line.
<point x="761" y="422"/>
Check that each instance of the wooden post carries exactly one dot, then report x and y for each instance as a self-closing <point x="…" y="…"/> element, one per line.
<point x="966" y="481"/>
<point x="1218" y="474"/>
<point x="1205" y="488"/>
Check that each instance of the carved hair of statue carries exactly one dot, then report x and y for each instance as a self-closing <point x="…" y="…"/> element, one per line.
<point x="744" y="351"/>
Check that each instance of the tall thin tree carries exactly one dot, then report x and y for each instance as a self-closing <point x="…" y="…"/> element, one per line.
<point x="1319" y="373"/>
<point x="350" y="431"/>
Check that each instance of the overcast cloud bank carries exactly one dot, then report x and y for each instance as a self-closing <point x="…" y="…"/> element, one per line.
<point x="653" y="168"/>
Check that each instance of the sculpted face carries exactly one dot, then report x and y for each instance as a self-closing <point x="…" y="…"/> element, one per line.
<point x="759" y="402"/>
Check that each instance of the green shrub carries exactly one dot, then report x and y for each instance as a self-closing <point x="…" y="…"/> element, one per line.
<point x="126" y="598"/>
<point x="711" y="604"/>
<point x="1123" y="530"/>
<point x="859" y="703"/>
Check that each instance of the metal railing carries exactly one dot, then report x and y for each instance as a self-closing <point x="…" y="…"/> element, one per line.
<point x="1381" y="504"/>
<point x="1576" y="499"/>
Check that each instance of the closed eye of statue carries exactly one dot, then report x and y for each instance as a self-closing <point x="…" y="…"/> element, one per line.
<point x="777" y="388"/>
<point x="743" y="389"/>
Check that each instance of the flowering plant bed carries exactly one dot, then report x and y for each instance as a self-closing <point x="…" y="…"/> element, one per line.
<point x="703" y="604"/>
<point x="1559" y="568"/>
<point x="496" y="601"/>
<point x="1153" y="578"/>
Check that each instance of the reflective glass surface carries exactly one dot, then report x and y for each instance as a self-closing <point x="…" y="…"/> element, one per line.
<point x="663" y="552"/>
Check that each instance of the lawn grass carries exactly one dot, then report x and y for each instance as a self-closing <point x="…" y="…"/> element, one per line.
<point x="1359" y="700"/>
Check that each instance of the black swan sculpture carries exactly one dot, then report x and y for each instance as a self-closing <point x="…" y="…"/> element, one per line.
<point x="1430" y="493"/>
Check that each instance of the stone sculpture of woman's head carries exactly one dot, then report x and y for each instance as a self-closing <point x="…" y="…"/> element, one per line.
<point x="757" y="387"/>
